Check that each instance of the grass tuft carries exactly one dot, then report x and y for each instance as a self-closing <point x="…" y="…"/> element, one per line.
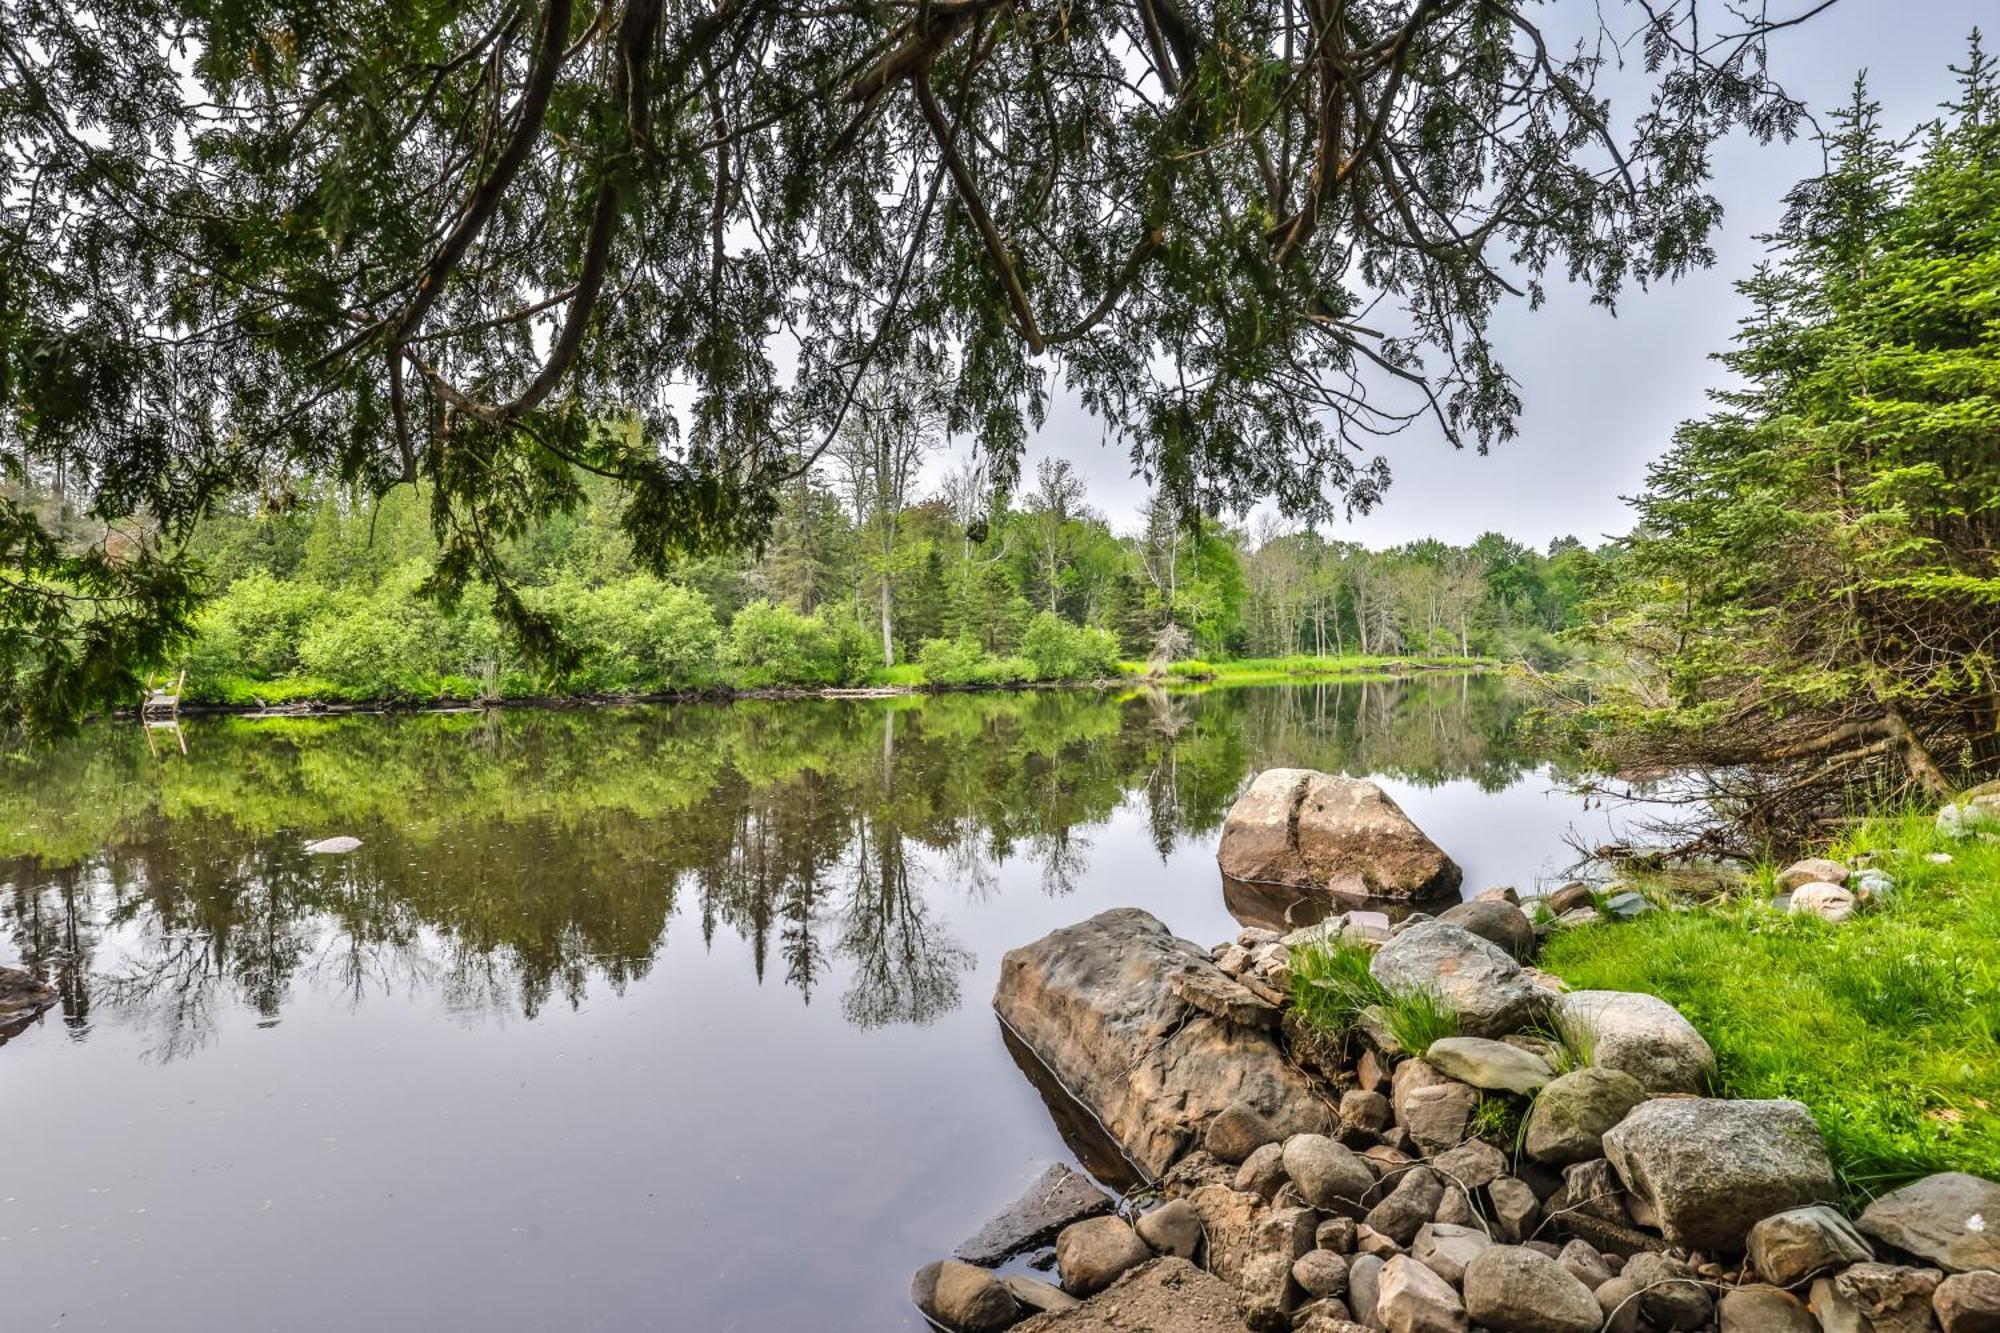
<point x="1332" y="986"/>
<point x="1416" y="1018"/>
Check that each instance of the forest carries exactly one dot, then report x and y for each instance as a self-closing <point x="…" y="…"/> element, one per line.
<point x="319" y="595"/>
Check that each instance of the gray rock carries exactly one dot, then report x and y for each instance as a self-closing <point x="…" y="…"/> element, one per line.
<point x="1095" y="1003"/>
<point x="1364" y="1112"/>
<point x="1811" y="870"/>
<point x="1479" y="980"/>
<point x="964" y="1297"/>
<point x="1413" y="1202"/>
<point x="1212" y="992"/>
<point x="1415" y="1300"/>
<point x="1320" y="1273"/>
<point x="1761" y="1309"/>
<point x="1446" y="1249"/>
<point x="1619" y="1301"/>
<point x="1625" y="906"/>
<point x="1567" y="1122"/>
<point x="1092" y="1254"/>
<point x="1710" y="1169"/>
<point x="1582" y="1262"/>
<point x="1516" y="1210"/>
<point x="1364" y="1289"/>
<point x="1513" y="1289"/>
<point x="1789" y="1247"/>
<point x="1172" y="1228"/>
<point x="1969" y="1302"/>
<point x="1035" y="1294"/>
<point x="1496" y="920"/>
<point x="1670" y="1296"/>
<point x="1327" y="1173"/>
<point x="1438" y="1116"/>
<point x="1640" y="1034"/>
<point x="1493" y="1065"/>
<point x="1592" y="1189"/>
<point x="1238" y="1130"/>
<point x="1471" y="1164"/>
<point x="1263" y="1171"/>
<point x="333" y="846"/>
<point x="1337" y="838"/>
<point x="1874" y="885"/>
<point x="1266" y="1295"/>
<point x="1877" y="1298"/>
<point x="1058" y="1197"/>
<point x="1951" y="1219"/>
<point x="1828" y="902"/>
<point x="1336" y="1234"/>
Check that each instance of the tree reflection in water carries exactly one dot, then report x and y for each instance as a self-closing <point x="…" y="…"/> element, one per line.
<point x="514" y="858"/>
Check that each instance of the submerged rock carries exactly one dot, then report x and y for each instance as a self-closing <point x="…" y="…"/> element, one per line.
<point x="22" y="996"/>
<point x="1710" y="1169"/>
<point x="1097" y="1005"/>
<point x="1333" y="837"/>
<point x="1058" y="1197"/>
<point x="333" y="846"/>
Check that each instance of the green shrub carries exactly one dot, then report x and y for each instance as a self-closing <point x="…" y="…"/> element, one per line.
<point x="636" y="635"/>
<point x="255" y="628"/>
<point x="1062" y="651"/>
<point x="774" y="645"/>
<point x="962" y="661"/>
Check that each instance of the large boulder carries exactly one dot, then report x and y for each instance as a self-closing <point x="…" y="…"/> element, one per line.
<point x="1096" y="1004"/>
<point x="1951" y="1220"/>
<point x="1334" y="838"/>
<point x="1167" y="1295"/>
<point x="1513" y="1289"/>
<point x="1567" y="1122"/>
<point x="1058" y="1197"/>
<point x="1479" y="980"/>
<point x="1640" y="1034"/>
<point x="1709" y="1169"/>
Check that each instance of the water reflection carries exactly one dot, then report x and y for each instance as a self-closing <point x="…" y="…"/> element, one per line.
<point x="514" y="859"/>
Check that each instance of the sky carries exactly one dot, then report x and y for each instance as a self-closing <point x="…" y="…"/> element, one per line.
<point x="1601" y="394"/>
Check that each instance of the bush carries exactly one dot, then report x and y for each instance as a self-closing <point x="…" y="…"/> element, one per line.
<point x="255" y="628"/>
<point x="1062" y="651"/>
<point x="635" y="635"/>
<point x="962" y="661"/>
<point x="774" y="645"/>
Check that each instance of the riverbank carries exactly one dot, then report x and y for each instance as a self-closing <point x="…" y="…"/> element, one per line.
<point x="290" y="696"/>
<point x="1444" y="1122"/>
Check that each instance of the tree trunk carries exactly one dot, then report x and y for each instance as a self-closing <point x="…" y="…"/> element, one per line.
<point x="888" y="631"/>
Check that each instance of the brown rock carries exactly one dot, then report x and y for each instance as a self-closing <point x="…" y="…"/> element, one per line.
<point x="1969" y="1302"/>
<point x="1439" y="1116"/>
<point x="1413" y="1299"/>
<point x="1762" y="1309"/>
<point x="1878" y="1298"/>
<point x="1337" y="838"/>
<point x="1092" y="1254"/>
<point x="963" y="1297"/>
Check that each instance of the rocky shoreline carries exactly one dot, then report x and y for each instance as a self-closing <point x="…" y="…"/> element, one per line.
<point x="1554" y="1167"/>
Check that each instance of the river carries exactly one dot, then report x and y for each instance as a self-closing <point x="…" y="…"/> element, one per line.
<point x="650" y="1017"/>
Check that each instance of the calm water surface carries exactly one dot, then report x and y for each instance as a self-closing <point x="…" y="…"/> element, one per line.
<point x="667" y="1018"/>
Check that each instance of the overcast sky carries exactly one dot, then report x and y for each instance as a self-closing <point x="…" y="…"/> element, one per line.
<point x="1601" y="394"/>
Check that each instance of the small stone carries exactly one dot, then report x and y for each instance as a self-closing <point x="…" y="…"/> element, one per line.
<point x="1257" y="937"/>
<point x="1789" y="1247"/>
<point x="1877" y="1298"/>
<point x="1172" y="1228"/>
<point x="1336" y="1234"/>
<point x="1582" y="1261"/>
<point x="1237" y="1131"/>
<point x="1514" y="1289"/>
<point x="1874" y="885"/>
<point x="1580" y="916"/>
<point x="1938" y="858"/>
<point x="1569" y="897"/>
<point x="1628" y="905"/>
<point x="1320" y="1273"/>
<point x="1412" y="1203"/>
<point x="1828" y="902"/>
<point x="1504" y="893"/>
<point x="1234" y="960"/>
<point x="1811" y="870"/>
<point x="1950" y="1219"/>
<point x="1446" y="1249"/>
<point x="1092" y="1254"/>
<point x="1365" y="1112"/>
<point x="1471" y="1164"/>
<point x="1455" y="1209"/>
<point x="1369" y="1075"/>
<point x="1479" y="980"/>
<point x="1438" y="1117"/>
<point x="1265" y="1293"/>
<point x="1263" y="1171"/>
<point x="1515" y="1208"/>
<point x="1568" y="1119"/>
<point x="1496" y="1066"/>
<point x="1670" y="1296"/>
<point x="1035" y="1294"/>
<point x="1618" y="1299"/>
<point x="1415" y="1300"/>
<point x="1496" y="920"/>
<point x="1593" y="1189"/>
<point x="1364" y="1288"/>
<point x="1328" y="1174"/>
<point x="1761" y="1309"/>
<point x="1367" y="1240"/>
<point x="1969" y="1302"/>
<point x="964" y="1297"/>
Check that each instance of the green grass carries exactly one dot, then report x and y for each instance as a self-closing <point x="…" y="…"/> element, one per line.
<point x="1333" y="990"/>
<point x="1887" y="1026"/>
<point x="903" y="674"/>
